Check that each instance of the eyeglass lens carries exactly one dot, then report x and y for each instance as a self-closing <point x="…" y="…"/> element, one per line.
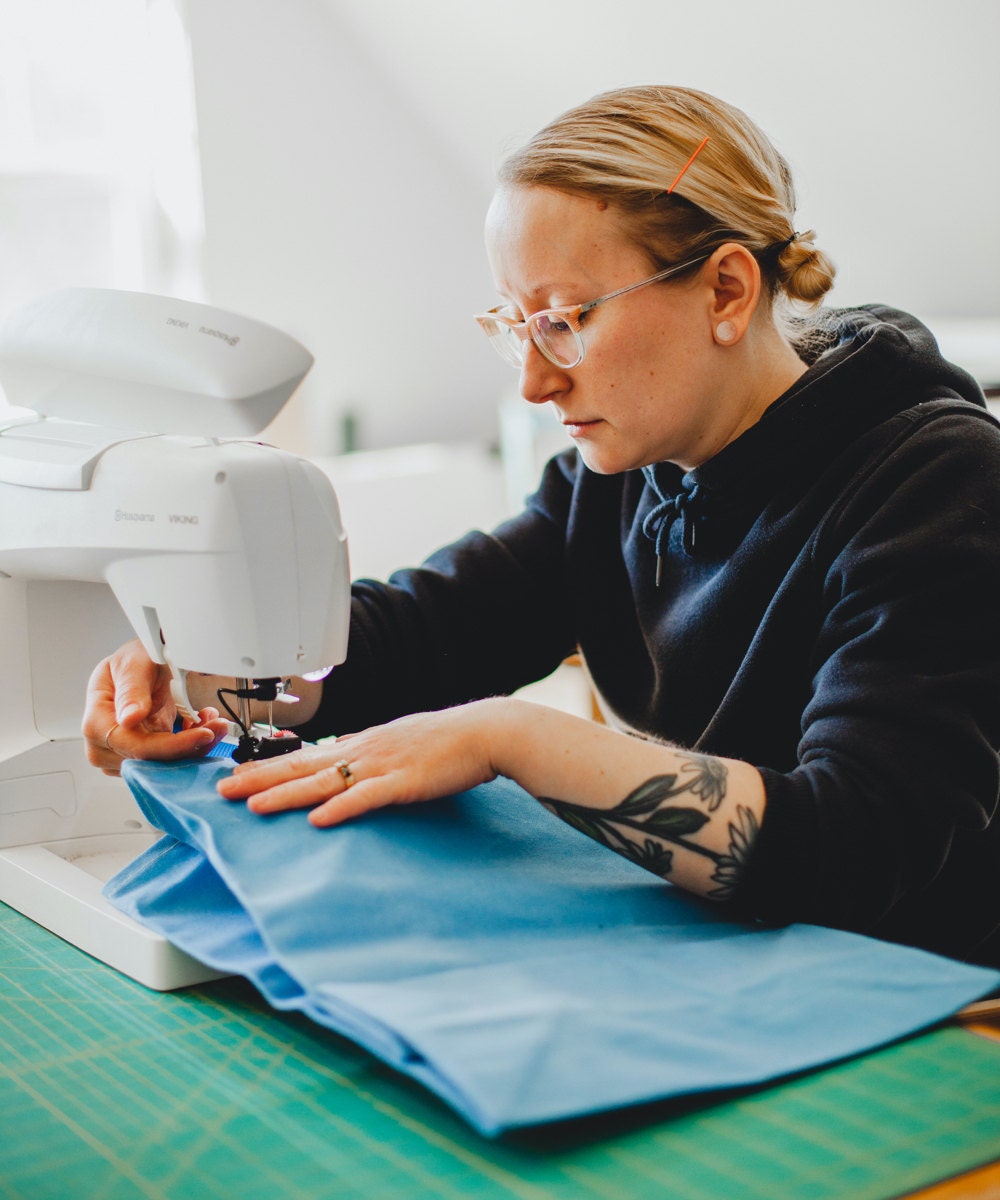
<point x="553" y="335"/>
<point x="556" y="336"/>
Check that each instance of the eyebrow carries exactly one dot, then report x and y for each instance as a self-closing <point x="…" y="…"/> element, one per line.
<point x="547" y="288"/>
<point x="551" y="285"/>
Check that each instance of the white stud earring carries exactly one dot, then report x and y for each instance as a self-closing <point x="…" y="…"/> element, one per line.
<point x="725" y="331"/>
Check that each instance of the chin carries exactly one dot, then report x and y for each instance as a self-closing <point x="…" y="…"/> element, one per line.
<point x="605" y="463"/>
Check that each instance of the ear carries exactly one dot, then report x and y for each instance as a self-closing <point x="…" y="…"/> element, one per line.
<point x="735" y="282"/>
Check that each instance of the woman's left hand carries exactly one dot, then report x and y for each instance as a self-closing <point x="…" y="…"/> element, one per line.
<point x="419" y="757"/>
<point x="695" y="815"/>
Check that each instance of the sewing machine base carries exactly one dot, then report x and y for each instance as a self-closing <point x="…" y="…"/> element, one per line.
<point x="58" y="884"/>
<point x="65" y="829"/>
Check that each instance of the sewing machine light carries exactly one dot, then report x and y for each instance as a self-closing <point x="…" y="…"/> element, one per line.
<point x="316" y="676"/>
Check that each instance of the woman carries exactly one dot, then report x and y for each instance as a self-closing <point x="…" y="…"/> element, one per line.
<point x="776" y="546"/>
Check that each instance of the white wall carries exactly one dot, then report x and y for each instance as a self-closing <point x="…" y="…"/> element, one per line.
<point x="889" y="110"/>
<point x="334" y="211"/>
<point x="348" y="151"/>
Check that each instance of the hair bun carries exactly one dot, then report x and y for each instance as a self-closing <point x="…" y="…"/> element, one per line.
<point x="806" y="273"/>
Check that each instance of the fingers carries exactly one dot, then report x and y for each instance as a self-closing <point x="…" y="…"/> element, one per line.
<point x="297" y="780"/>
<point x="414" y="758"/>
<point x="355" y="801"/>
<point x="100" y="720"/>
<point x="307" y="779"/>
<point x="156" y="746"/>
<point x="167" y="747"/>
<point x="130" y="714"/>
<point x="147" y="740"/>
<point x="207" y="718"/>
<point x="119" y="696"/>
<point x="141" y="689"/>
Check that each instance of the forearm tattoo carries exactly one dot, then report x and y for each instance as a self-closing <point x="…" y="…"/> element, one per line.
<point x="649" y="820"/>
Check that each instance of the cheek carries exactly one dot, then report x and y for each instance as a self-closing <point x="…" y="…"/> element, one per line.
<point x="627" y="364"/>
<point x="670" y="360"/>
<point x="635" y="371"/>
<point x="642" y="346"/>
<point x="644" y="370"/>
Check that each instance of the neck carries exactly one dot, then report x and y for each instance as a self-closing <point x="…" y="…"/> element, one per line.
<point x="762" y="367"/>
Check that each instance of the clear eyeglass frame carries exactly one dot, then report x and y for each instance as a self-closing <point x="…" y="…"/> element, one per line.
<point x="556" y="332"/>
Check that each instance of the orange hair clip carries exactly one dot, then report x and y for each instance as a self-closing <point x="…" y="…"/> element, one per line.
<point x="680" y="174"/>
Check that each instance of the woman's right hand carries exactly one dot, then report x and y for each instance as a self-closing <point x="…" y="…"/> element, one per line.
<point x="130" y="713"/>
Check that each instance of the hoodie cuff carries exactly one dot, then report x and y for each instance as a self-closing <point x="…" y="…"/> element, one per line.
<point x="780" y="878"/>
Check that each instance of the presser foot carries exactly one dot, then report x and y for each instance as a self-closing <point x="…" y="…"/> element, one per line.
<point x="253" y="749"/>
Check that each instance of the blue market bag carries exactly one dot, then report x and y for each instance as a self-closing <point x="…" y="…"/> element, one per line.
<point x="516" y="968"/>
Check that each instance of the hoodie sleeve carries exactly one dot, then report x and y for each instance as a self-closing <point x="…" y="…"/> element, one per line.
<point x="885" y="824"/>
<point x="480" y="617"/>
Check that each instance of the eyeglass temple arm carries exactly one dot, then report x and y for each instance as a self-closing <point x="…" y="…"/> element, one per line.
<point x="675" y="270"/>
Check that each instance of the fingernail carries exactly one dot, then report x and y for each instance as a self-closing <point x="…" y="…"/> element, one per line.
<point x="129" y="710"/>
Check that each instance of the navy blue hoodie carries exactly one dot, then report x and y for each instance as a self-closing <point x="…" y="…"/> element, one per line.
<point x="821" y="599"/>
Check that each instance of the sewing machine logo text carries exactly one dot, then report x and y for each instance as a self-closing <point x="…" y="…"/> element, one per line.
<point x="122" y="514"/>
<point x="231" y="339"/>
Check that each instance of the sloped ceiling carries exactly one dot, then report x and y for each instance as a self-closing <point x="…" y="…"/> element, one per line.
<point x="887" y="109"/>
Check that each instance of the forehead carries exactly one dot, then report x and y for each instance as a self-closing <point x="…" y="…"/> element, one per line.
<point x="540" y="240"/>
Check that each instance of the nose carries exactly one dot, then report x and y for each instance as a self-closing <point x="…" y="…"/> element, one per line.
<point x="540" y="379"/>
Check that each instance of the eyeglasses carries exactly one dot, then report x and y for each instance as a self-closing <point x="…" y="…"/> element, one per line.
<point x="556" y="331"/>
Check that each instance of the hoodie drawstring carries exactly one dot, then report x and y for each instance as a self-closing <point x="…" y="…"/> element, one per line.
<point x="657" y="523"/>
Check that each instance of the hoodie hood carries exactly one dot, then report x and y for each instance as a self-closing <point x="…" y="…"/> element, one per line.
<point x="871" y="363"/>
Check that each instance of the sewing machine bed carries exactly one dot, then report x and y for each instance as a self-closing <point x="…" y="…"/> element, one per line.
<point x="58" y="884"/>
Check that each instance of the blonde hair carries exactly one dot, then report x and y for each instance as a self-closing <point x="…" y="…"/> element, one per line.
<point x="627" y="147"/>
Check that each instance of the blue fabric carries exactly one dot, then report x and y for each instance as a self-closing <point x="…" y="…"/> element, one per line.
<point x="518" y="969"/>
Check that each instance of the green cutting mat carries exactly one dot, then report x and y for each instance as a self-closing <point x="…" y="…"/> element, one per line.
<point x="111" y="1092"/>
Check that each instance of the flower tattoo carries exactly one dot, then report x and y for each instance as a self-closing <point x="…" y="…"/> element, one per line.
<point x="729" y="867"/>
<point x="709" y="782"/>
<point x="649" y="820"/>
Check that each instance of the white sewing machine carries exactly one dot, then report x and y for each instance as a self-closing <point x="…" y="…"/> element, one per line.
<point x="122" y="513"/>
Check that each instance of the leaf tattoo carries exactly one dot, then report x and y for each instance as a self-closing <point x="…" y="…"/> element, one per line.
<point x="647" y="796"/>
<point x="674" y="822"/>
<point x="638" y="826"/>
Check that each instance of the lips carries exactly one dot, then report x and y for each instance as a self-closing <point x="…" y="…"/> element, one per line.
<point x="579" y="428"/>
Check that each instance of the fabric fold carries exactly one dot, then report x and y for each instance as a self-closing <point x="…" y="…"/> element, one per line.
<point x="519" y="970"/>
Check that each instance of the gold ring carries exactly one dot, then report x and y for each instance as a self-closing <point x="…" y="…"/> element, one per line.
<point x="107" y="739"/>
<point x="344" y="767"/>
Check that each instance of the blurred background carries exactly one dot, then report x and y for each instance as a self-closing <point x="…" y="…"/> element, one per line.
<point x="325" y="165"/>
